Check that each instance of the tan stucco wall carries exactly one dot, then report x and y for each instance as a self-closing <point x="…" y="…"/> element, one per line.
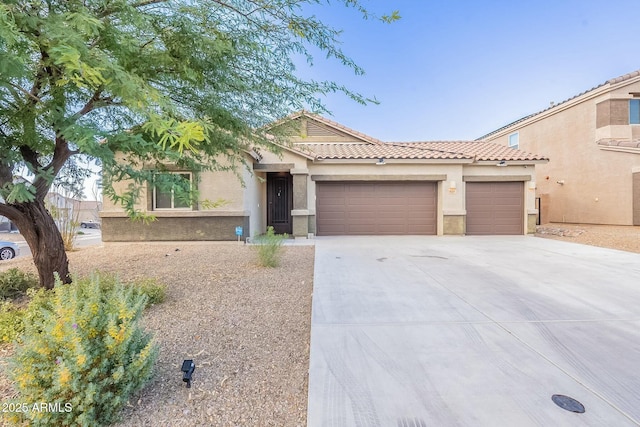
<point x="597" y="184"/>
<point x="200" y="223"/>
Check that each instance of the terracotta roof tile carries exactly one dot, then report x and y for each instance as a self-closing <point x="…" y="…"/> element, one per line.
<point x="430" y="150"/>
<point x="376" y="151"/>
<point x="482" y="151"/>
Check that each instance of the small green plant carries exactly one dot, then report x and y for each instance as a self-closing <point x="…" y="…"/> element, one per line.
<point x="14" y="283"/>
<point x="154" y="291"/>
<point x="269" y="247"/>
<point x="84" y="348"/>
<point x="11" y="321"/>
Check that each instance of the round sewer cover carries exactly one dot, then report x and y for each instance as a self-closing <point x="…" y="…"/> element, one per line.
<point x="568" y="403"/>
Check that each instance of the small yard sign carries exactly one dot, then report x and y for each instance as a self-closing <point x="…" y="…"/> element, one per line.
<point x="239" y="233"/>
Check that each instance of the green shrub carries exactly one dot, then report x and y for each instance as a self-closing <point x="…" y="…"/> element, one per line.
<point x="154" y="291"/>
<point x="14" y="283"/>
<point x="83" y="348"/>
<point x="11" y="321"/>
<point x="269" y="247"/>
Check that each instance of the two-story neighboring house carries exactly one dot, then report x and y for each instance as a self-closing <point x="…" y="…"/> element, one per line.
<point x="593" y="143"/>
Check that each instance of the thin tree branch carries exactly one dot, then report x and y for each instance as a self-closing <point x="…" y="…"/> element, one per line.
<point x="90" y="105"/>
<point x="26" y="92"/>
<point x="143" y="3"/>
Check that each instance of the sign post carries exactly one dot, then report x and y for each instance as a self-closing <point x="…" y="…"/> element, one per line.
<point x="239" y="233"/>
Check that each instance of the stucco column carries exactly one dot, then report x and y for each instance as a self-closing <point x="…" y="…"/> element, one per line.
<point x="300" y="212"/>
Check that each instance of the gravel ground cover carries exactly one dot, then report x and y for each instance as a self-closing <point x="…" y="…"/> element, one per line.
<point x="246" y="327"/>
<point x="621" y="237"/>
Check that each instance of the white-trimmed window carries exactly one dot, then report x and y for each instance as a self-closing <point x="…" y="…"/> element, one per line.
<point x="514" y="140"/>
<point x="634" y="111"/>
<point x="173" y="198"/>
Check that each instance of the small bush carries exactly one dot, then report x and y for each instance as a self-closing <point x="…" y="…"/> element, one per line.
<point x="154" y="291"/>
<point x="83" y="348"/>
<point x="11" y="321"/>
<point x="14" y="283"/>
<point x="269" y="247"/>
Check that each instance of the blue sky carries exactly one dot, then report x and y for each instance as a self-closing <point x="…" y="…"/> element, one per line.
<point x="454" y="69"/>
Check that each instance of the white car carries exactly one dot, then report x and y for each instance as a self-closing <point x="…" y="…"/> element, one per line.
<point x="8" y="250"/>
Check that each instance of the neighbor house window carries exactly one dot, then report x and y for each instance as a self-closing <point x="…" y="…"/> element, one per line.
<point x="514" y="140"/>
<point x="634" y="111"/>
<point x="175" y="197"/>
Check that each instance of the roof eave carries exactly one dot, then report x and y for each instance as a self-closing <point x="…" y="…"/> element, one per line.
<point x="388" y="161"/>
<point x="509" y="162"/>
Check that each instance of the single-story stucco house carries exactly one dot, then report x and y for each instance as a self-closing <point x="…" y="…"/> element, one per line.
<point x="332" y="180"/>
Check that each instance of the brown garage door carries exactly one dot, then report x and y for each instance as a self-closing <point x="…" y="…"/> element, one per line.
<point x="495" y="207"/>
<point x="375" y="208"/>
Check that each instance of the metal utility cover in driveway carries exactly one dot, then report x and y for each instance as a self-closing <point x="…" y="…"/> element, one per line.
<point x="473" y="331"/>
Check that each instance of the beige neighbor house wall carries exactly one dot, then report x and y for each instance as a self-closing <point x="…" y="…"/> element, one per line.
<point x="200" y="222"/>
<point x="590" y="144"/>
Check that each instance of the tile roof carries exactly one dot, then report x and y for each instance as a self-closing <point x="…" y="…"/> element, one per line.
<point x="482" y="151"/>
<point x="429" y="150"/>
<point x="608" y="82"/>
<point x="377" y="151"/>
<point x="619" y="143"/>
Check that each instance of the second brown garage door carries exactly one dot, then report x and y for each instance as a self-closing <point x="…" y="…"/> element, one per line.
<point x="495" y="208"/>
<point x="375" y="208"/>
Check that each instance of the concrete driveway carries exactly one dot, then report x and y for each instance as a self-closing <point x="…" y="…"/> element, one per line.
<point x="473" y="331"/>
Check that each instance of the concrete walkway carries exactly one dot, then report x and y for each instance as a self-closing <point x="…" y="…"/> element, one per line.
<point x="473" y="331"/>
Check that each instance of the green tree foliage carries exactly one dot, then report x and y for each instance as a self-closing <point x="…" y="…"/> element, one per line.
<point x="137" y="84"/>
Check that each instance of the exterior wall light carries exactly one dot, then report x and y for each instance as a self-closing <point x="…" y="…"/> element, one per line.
<point x="532" y="185"/>
<point x="561" y="182"/>
<point x="452" y="186"/>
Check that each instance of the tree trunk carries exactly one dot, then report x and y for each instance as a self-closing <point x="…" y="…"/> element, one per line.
<point x="43" y="237"/>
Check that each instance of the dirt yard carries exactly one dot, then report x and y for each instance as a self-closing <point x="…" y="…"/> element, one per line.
<point x="622" y="237"/>
<point x="246" y="327"/>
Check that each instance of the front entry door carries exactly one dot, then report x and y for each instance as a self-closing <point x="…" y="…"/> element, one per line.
<point x="279" y="201"/>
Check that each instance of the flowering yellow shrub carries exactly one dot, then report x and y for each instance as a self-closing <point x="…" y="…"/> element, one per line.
<point x="84" y="352"/>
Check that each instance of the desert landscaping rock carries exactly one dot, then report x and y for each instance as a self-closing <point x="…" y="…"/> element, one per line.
<point x="621" y="237"/>
<point x="246" y="327"/>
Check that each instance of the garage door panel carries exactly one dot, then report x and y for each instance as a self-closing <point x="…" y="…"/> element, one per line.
<point x="376" y="208"/>
<point x="494" y="208"/>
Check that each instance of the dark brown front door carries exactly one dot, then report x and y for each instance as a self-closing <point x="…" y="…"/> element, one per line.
<point x="279" y="201"/>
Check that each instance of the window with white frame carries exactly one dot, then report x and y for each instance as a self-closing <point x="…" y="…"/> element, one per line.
<point x="514" y="140"/>
<point x="634" y="111"/>
<point x="176" y="196"/>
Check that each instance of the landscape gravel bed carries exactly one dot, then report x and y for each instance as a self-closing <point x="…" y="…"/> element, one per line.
<point x="246" y="327"/>
<point x="621" y="237"/>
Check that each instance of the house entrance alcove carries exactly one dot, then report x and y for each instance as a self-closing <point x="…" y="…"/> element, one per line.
<point x="279" y="201"/>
